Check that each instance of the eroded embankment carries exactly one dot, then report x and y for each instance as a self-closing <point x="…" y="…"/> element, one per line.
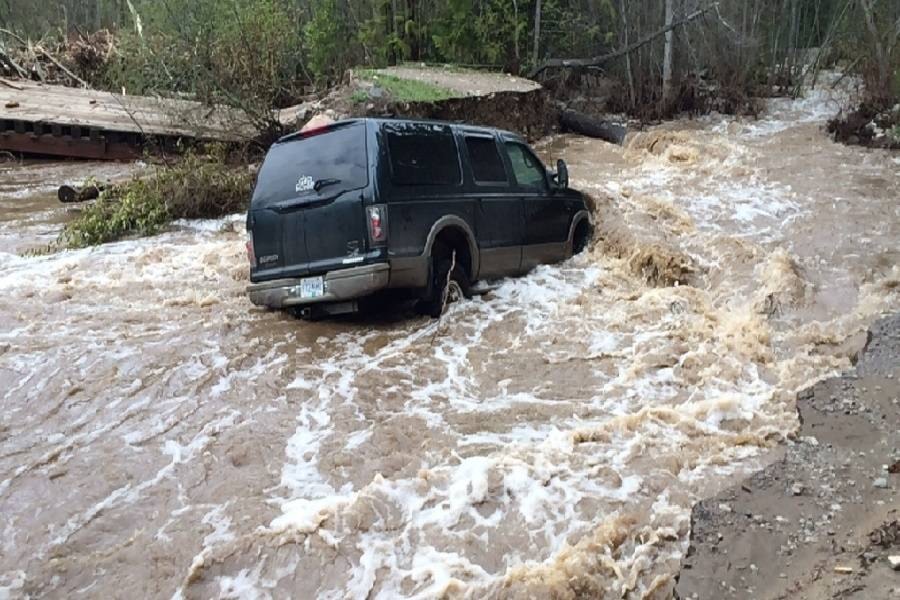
<point x="532" y="114"/>
<point x="822" y="521"/>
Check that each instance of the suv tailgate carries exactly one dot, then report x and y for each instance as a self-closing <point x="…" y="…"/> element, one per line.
<point x="307" y="212"/>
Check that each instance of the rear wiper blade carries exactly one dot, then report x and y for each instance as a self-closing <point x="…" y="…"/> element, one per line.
<point x="303" y="202"/>
<point x="320" y="183"/>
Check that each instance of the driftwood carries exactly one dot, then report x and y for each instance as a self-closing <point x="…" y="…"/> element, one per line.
<point x="10" y="84"/>
<point x="69" y="195"/>
<point x="576" y="122"/>
<point x="624" y="51"/>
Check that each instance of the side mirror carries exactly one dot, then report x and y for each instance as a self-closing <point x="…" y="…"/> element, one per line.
<point x="562" y="174"/>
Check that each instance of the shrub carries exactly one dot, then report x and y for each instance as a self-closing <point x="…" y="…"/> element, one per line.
<point x="195" y="188"/>
<point x="325" y="36"/>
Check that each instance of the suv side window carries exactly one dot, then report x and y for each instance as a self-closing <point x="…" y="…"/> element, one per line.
<point x="422" y="154"/>
<point x="487" y="166"/>
<point x="527" y="168"/>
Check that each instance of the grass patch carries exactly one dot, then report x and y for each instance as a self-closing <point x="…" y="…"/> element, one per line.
<point x="407" y="90"/>
<point x="359" y="96"/>
<point x="195" y="188"/>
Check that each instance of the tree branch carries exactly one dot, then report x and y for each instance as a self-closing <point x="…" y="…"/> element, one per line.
<point x="896" y="34"/>
<point x="61" y="67"/>
<point x="9" y="84"/>
<point x="14" y="36"/>
<point x="628" y="49"/>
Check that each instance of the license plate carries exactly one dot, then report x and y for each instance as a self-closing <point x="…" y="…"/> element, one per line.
<point x="311" y="287"/>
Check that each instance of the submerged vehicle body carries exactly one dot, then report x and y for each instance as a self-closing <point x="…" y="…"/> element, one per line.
<point x="355" y="207"/>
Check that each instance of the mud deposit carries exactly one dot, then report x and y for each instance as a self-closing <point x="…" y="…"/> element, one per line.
<point x="823" y="522"/>
<point x="161" y="438"/>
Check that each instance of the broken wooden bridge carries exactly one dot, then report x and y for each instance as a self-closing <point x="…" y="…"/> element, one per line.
<point x="55" y="120"/>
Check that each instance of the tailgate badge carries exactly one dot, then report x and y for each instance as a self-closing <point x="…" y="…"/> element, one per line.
<point x="264" y="260"/>
<point x="305" y="183"/>
<point x="353" y="255"/>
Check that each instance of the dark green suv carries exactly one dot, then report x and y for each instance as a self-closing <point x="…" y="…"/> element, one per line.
<point x="363" y="205"/>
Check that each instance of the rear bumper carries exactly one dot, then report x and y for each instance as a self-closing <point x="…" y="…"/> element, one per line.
<point x="343" y="284"/>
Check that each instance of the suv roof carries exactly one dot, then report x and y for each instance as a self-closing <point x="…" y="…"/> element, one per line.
<point x="477" y="128"/>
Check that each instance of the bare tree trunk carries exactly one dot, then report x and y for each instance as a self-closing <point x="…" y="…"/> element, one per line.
<point x="667" y="53"/>
<point x="880" y="55"/>
<point x="516" y="30"/>
<point x="392" y="31"/>
<point x="628" y="71"/>
<point x="537" y="33"/>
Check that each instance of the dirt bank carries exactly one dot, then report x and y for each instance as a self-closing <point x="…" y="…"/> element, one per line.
<point x="531" y="114"/>
<point x="480" y="98"/>
<point x="822" y="520"/>
<point x="868" y="125"/>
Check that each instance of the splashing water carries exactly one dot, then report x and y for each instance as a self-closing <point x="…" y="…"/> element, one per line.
<point x="161" y="437"/>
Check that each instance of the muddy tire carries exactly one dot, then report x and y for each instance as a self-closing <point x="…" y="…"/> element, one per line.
<point x="455" y="287"/>
<point x="582" y="237"/>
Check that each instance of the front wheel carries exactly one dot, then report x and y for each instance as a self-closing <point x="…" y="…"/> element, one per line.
<point x="582" y="238"/>
<point x="449" y="283"/>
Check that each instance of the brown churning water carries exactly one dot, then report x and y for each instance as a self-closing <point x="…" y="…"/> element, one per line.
<point x="159" y="437"/>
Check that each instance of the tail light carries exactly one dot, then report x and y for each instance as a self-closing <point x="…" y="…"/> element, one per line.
<point x="251" y="254"/>
<point x="377" y="223"/>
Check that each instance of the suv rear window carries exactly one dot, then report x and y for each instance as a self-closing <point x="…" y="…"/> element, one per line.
<point x="337" y="156"/>
<point x="422" y="154"/>
<point x="487" y="166"/>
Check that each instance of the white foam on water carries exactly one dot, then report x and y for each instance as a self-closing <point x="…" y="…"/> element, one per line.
<point x="535" y="472"/>
<point x="827" y="99"/>
<point x="433" y="457"/>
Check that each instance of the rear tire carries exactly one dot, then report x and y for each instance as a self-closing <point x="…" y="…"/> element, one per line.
<point x="582" y="237"/>
<point x="456" y="287"/>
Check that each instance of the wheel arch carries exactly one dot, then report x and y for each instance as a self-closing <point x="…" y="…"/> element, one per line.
<point x="454" y="225"/>
<point x="582" y="216"/>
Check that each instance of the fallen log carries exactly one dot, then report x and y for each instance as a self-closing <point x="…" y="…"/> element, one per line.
<point x="69" y="195"/>
<point x="10" y="84"/>
<point x="576" y="122"/>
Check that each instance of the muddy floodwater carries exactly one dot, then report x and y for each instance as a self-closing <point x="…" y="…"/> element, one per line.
<point x="161" y="437"/>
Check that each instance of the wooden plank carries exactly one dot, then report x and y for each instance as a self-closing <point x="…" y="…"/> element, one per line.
<point x="52" y="145"/>
<point x="90" y="109"/>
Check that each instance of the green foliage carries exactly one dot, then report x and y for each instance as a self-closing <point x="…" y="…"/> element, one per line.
<point x="137" y="209"/>
<point x="571" y="32"/>
<point x="263" y="54"/>
<point x="326" y="40"/>
<point x="244" y="53"/>
<point x="407" y="90"/>
<point x="195" y="188"/>
<point x="481" y="32"/>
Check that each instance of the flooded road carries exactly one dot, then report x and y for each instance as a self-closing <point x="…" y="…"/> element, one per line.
<point x="161" y="437"/>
